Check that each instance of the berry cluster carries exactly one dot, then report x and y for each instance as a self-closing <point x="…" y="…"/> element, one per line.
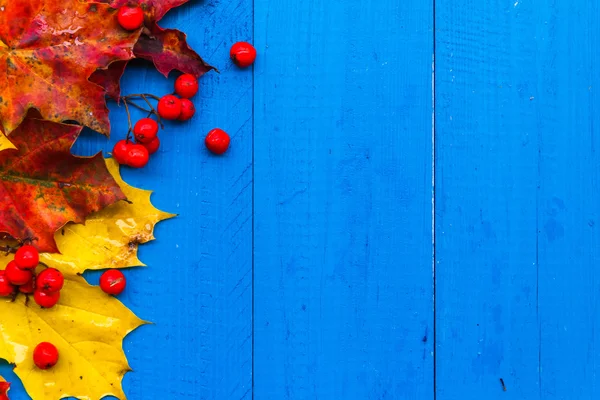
<point x="45" y="355"/>
<point x="181" y="108"/>
<point x="137" y="155"/>
<point x="145" y="131"/>
<point x="176" y="106"/>
<point x="20" y="276"/>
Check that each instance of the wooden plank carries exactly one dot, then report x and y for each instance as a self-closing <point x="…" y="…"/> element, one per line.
<point x="567" y="104"/>
<point x="516" y="200"/>
<point x="487" y="142"/>
<point x="343" y="238"/>
<point x="198" y="287"/>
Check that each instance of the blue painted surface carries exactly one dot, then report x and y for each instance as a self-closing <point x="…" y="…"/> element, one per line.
<point x="487" y="142"/>
<point x="516" y="200"/>
<point x="568" y="198"/>
<point x="315" y="259"/>
<point x="343" y="247"/>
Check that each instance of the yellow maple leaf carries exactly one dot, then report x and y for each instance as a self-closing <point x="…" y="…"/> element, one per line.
<point x="110" y="237"/>
<point x="5" y="144"/>
<point x="87" y="326"/>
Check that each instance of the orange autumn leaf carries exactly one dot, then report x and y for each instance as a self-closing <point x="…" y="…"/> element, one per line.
<point x="48" y="50"/>
<point x="43" y="186"/>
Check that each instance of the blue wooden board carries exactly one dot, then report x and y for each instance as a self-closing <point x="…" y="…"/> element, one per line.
<point x="378" y="229"/>
<point x="568" y="124"/>
<point x="487" y="143"/>
<point x="516" y="200"/>
<point x="343" y="304"/>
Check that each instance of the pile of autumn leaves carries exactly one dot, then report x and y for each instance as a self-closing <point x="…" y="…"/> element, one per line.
<point x="62" y="60"/>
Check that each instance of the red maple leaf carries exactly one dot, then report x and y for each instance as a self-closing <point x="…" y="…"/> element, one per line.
<point x="48" y="50"/>
<point x="110" y="78"/>
<point x="43" y="186"/>
<point x="166" y="48"/>
<point x="4" y="386"/>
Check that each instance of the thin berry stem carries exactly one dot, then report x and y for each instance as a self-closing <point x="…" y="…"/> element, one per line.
<point x="144" y="94"/>
<point x="153" y="110"/>
<point x="131" y="103"/>
<point x="128" y="100"/>
<point x="128" y="120"/>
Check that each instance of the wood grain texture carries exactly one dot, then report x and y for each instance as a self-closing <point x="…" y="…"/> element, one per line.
<point x="566" y="83"/>
<point x="515" y="200"/>
<point x="197" y="288"/>
<point x="486" y="184"/>
<point x="343" y="191"/>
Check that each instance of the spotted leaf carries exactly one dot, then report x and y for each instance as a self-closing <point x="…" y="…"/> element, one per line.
<point x="47" y="53"/>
